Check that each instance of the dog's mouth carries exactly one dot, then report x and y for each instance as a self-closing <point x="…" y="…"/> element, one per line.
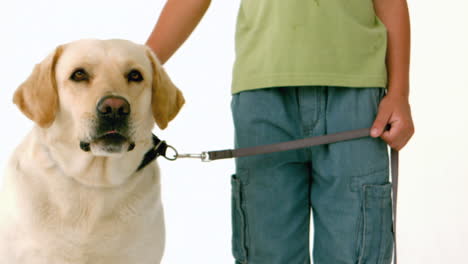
<point x="109" y="143"/>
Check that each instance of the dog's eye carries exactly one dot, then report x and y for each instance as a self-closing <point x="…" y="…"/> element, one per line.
<point x="79" y="75"/>
<point x="134" y="76"/>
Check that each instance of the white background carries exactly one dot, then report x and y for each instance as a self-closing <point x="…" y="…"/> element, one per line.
<point x="433" y="197"/>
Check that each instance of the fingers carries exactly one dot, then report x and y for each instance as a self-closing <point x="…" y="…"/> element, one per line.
<point x="391" y="136"/>
<point x="398" y="135"/>
<point x="382" y="119"/>
<point x="397" y="113"/>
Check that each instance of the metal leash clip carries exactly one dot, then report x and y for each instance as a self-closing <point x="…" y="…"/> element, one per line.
<point x="202" y="156"/>
<point x="165" y="155"/>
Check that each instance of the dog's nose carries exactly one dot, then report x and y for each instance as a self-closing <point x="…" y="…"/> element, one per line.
<point x="113" y="107"/>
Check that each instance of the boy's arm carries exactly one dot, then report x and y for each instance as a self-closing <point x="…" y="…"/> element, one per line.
<point x="394" y="14"/>
<point x="394" y="107"/>
<point x="175" y="24"/>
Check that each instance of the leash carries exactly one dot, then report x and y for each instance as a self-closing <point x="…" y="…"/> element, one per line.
<point x="160" y="148"/>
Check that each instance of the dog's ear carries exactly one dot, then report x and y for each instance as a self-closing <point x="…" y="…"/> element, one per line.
<point x="166" y="99"/>
<point x="37" y="97"/>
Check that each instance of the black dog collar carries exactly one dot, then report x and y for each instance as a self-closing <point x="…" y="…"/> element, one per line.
<point x="159" y="149"/>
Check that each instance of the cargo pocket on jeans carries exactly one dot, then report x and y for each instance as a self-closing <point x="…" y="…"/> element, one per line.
<point x="239" y="227"/>
<point x="375" y="236"/>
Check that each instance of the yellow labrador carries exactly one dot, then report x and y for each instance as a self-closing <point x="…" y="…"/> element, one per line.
<point x="72" y="192"/>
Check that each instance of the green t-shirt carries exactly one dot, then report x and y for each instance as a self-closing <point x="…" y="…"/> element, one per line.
<point x="309" y="42"/>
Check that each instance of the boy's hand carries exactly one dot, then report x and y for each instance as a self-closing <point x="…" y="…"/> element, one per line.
<point x="394" y="110"/>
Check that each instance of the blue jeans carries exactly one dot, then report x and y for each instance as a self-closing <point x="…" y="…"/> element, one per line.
<point x="345" y="184"/>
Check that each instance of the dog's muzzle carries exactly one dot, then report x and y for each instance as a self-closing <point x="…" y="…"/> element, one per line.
<point x="111" y="132"/>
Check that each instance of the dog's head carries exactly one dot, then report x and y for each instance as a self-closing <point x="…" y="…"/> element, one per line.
<point x="105" y="94"/>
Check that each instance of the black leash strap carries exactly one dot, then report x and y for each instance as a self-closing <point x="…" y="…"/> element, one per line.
<point x="394" y="168"/>
<point x="160" y="148"/>
<point x="289" y="145"/>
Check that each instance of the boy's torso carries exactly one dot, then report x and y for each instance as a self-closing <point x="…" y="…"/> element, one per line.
<point x="309" y="42"/>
